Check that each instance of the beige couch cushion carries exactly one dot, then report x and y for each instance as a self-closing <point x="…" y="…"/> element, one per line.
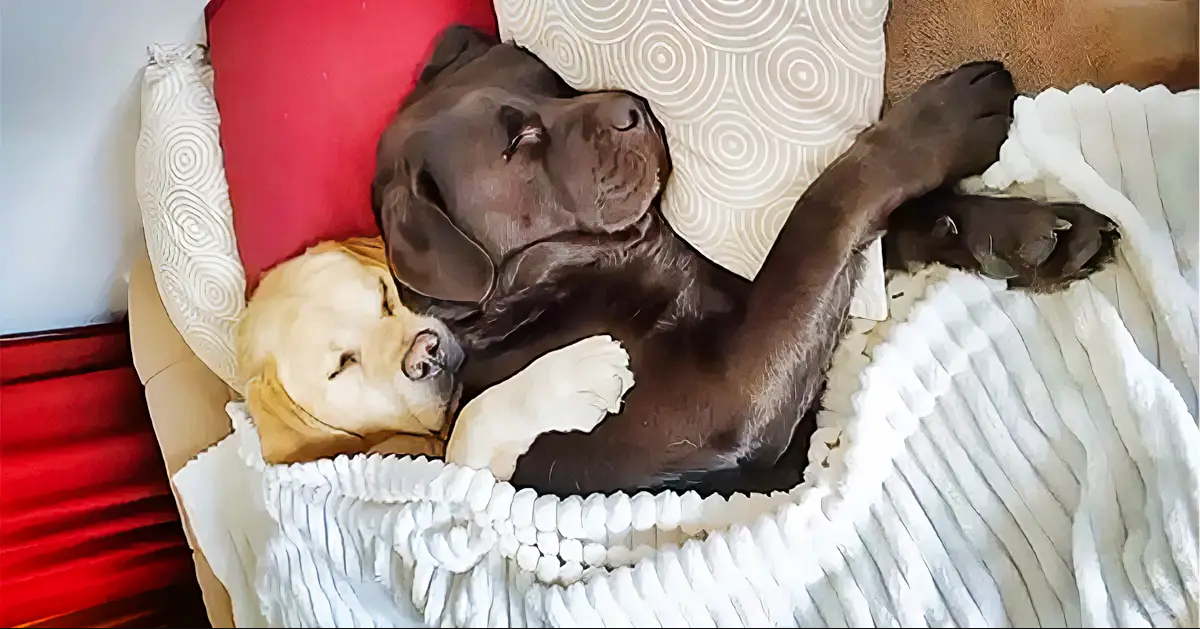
<point x="186" y="402"/>
<point x="184" y="200"/>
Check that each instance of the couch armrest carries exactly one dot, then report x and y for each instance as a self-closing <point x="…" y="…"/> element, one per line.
<point x="187" y="406"/>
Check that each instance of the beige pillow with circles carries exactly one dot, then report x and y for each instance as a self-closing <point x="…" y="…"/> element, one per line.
<point x="756" y="97"/>
<point x="184" y="200"/>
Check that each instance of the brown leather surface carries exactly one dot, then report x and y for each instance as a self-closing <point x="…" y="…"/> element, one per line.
<point x="1045" y="43"/>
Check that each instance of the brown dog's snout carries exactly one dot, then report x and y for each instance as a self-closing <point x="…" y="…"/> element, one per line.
<point x="431" y="355"/>
<point x="623" y="112"/>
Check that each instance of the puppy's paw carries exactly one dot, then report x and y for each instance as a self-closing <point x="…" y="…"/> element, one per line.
<point x="580" y="384"/>
<point x="570" y="389"/>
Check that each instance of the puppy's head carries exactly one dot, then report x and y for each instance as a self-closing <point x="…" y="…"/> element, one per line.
<point x="331" y="357"/>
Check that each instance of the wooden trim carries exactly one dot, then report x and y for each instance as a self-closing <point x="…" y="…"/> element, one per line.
<point x="81" y="331"/>
<point x="55" y="353"/>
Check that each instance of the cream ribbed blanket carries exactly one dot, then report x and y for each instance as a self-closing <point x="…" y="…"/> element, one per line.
<point x="985" y="458"/>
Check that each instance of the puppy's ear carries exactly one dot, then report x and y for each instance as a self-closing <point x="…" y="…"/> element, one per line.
<point x="367" y="251"/>
<point x="287" y="432"/>
<point x="456" y="46"/>
<point x="427" y="252"/>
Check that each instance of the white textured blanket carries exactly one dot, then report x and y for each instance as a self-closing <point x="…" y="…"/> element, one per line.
<point x="985" y="458"/>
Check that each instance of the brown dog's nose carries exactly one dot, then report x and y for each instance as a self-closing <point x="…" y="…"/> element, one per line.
<point x="430" y="355"/>
<point x="624" y="112"/>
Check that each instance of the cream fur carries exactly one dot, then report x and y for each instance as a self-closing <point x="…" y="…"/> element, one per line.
<point x="308" y="311"/>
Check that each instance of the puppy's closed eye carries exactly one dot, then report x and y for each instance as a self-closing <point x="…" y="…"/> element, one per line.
<point x="387" y="304"/>
<point x="344" y="362"/>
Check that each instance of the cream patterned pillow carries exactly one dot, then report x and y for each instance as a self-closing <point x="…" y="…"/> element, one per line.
<point x="184" y="199"/>
<point x="756" y="96"/>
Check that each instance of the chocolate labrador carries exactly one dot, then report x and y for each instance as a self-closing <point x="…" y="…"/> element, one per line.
<point x="523" y="214"/>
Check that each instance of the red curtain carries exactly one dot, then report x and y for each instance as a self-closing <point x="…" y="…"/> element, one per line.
<point x="89" y="531"/>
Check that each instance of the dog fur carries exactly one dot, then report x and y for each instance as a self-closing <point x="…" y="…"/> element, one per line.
<point x="307" y="403"/>
<point x="524" y="215"/>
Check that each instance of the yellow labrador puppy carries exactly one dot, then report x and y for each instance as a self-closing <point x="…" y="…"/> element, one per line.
<point x="335" y="364"/>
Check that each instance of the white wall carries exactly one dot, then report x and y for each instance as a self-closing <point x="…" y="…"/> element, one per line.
<point x="69" y="111"/>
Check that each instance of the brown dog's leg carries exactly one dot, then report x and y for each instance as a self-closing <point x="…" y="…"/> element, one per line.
<point x="951" y="127"/>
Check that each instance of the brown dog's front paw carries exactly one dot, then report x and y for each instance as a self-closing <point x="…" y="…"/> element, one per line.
<point x="1038" y="246"/>
<point x="950" y="128"/>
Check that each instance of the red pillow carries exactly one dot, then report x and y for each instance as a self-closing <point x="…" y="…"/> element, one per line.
<point x="305" y="88"/>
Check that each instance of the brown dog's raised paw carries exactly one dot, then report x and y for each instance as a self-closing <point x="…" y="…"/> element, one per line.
<point x="950" y="128"/>
<point x="1030" y="244"/>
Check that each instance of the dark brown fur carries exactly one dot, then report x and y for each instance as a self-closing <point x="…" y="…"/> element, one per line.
<point x="564" y="240"/>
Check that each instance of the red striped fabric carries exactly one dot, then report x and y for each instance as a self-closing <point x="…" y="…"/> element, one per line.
<point x="89" y="531"/>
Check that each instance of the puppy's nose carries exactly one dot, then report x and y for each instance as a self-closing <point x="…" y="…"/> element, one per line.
<point x="431" y="355"/>
<point x="624" y="112"/>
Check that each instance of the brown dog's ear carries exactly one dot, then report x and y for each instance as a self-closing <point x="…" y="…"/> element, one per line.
<point x="456" y="46"/>
<point x="287" y="432"/>
<point x="429" y="254"/>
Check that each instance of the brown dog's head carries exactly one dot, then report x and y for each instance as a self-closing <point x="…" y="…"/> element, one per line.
<point x="492" y="155"/>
